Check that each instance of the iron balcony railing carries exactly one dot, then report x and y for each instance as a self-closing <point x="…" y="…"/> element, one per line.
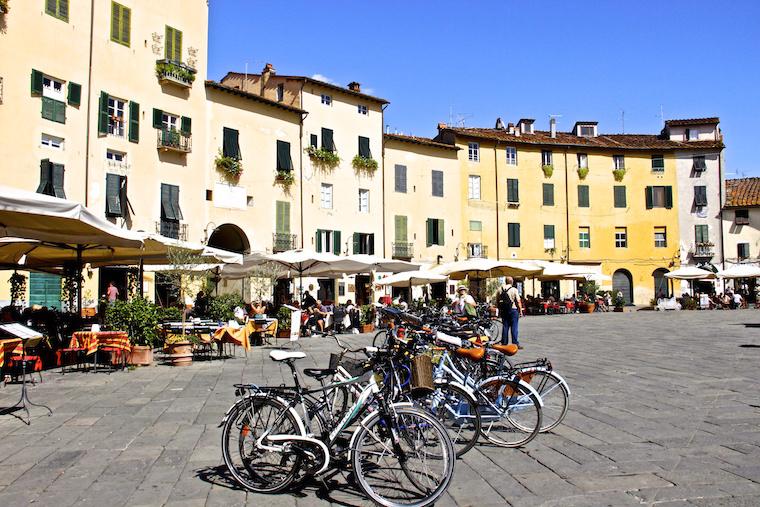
<point x="174" y="140"/>
<point x="703" y="250"/>
<point x="178" y="73"/>
<point x="282" y="242"/>
<point x="477" y="251"/>
<point x="172" y="229"/>
<point x="402" y="250"/>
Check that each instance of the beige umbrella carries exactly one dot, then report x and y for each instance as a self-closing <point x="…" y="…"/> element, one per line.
<point x="487" y="268"/>
<point x="412" y="278"/>
<point x="740" y="271"/>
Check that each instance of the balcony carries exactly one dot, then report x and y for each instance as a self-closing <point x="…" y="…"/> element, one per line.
<point x="703" y="251"/>
<point x="174" y="140"/>
<point x="477" y="251"/>
<point x="282" y="242"/>
<point x="402" y="250"/>
<point x="172" y="229"/>
<point x="175" y="73"/>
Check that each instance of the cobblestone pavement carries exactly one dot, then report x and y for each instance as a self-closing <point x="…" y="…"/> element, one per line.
<point x="665" y="410"/>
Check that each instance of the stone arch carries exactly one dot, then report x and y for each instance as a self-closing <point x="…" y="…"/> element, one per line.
<point x="622" y="281"/>
<point x="230" y="237"/>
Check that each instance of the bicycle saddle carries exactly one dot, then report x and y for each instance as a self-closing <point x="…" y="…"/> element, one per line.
<point x="509" y="350"/>
<point x="285" y="355"/>
<point x="475" y="353"/>
<point x="318" y="373"/>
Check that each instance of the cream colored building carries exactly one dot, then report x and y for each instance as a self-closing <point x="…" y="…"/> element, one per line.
<point x="741" y="222"/>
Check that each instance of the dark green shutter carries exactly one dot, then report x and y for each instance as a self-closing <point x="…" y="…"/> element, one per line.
<point x="63" y="9"/>
<point x="371" y="244"/>
<point x="583" y="196"/>
<point x="134" y="122"/>
<point x="46" y="178"/>
<point x="548" y="232"/>
<point x="175" y="202"/>
<point x="167" y="210"/>
<point x="327" y="140"/>
<point x="649" y="197"/>
<point x="115" y="21"/>
<point x="668" y="197"/>
<point x="186" y="126"/>
<point x="548" y="194"/>
<point x="357" y="242"/>
<point x="441" y="233"/>
<point x="48" y="108"/>
<point x="75" y="94"/>
<point x="429" y="229"/>
<point x="513" y="192"/>
<point x="103" y="114"/>
<point x="230" y="145"/>
<point x="437" y="183"/>
<point x="51" y="7"/>
<point x="620" y="197"/>
<point x="58" y="181"/>
<point x="314" y="140"/>
<point x="36" y="82"/>
<point x="364" y="147"/>
<point x="113" y="195"/>
<point x="400" y="178"/>
<point x="59" y="111"/>
<point x="318" y="240"/>
<point x="336" y="242"/>
<point x="284" y="162"/>
<point x="513" y="234"/>
<point x="158" y="118"/>
<point x="126" y="22"/>
<point x="700" y="196"/>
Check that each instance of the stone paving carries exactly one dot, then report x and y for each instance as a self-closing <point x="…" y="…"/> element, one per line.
<point x="665" y="411"/>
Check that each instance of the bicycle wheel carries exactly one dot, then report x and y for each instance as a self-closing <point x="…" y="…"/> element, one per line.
<point x="554" y="394"/>
<point x="510" y="414"/>
<point x="381" y="339"/>
<point x="413" y="472"/>
<point x="458" y="411"/>
<point x="254" y="468"/>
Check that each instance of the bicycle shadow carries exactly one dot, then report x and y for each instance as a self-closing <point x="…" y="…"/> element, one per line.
<point x="218" y="476"/>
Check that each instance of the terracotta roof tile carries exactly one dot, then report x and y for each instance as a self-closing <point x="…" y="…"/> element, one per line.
<point x="420" y="140"/>
<point x="744" y="192"/>
<point x="252" y="96"/>
<point x="325" y="84"/>
<point x="693" y="121"/>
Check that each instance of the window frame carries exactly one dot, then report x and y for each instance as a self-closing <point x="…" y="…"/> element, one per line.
<point x="621" y="237"/>
<point x="325" y="99"/>
<point x="513" y="191"/>
<point x="741" y="220"/>
<point x="582" y="160"/>
<point x="658" y="163"/>
<point x="51" y="140"/>
<point x="49" y="90"/>
<point x="436" y="174"/>
<point x="117" y="128"/>
<point x="584" y="196"/>
<point x="325" y="195"/>
<point x="663" y="241"/>
<point x="57" y="14"/>
<point x="584" y="237"/>
<point x="473" y="152"/>
<point x="399" y="169"/>
<point x="363" y="200"/>
<point x="547" y="158"/>
<point x="362" y="109"/>
<point x="618" y="162"/>
<point x="615" y="201"/>
<point x="513" y="235"/>
<point x="280" y="92"/>
<point x="703" y="231"/>
<point x="119" y="36"/>
<point x="742" y="246"/>
<point x="544" y="187"/>
<point x="550" y="241"/>
<point x="511" y="154"/>
<point x="479" y="226"/>
<point x="471" y="179"/>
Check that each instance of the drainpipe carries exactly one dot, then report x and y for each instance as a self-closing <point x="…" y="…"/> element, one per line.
<point x="89" y="104"/>
<point x="567" y="213"/>
<point x="496" y="176"/>
<point x="720" y="215"/>
<point x="300" y="156"/>
<point x="382" y="169"/>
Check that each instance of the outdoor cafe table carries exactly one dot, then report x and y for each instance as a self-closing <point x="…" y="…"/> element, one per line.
<point x="9" y="347"/>
<point x="236" y="336"/>
<point x="92" y="340"/>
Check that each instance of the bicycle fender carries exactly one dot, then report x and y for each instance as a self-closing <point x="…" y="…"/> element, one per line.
<point x="516" y="379"/>
<point x="561" y="380"/>
<point x="298" y="419"/>
<point x="362" y="424"/>
<point x="469" y="391"/>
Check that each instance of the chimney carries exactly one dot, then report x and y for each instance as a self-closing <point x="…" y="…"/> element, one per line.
<point x="441" y="126"/>
<point x="499" y="124"/>
<point x="553" y="128"/>
<point x="511" y="128"/>
<point x="266" y="73"/>
<point x="355" y="87"/>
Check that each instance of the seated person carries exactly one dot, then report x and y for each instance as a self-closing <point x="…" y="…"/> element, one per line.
<point x="320" y="313"/>
<point x="258" y="309"/>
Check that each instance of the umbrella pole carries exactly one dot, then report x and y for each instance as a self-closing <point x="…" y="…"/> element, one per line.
<point x="79" y="280"/>
<point x="140" y="275"/>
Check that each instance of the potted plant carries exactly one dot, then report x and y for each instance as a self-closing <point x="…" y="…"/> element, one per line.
<point x="618" y="174"/>
<point x="18" y="289"/>
<point x="582" y="172"/>
<point x="364" y="164"/>
<point x="231" y="167"/>
<point x="323" y="158"/>
<point x="283" y="322"/>
<point x="619" y="302"/>
<point x="548" y="170"/>
<point x="167" y="70"/>
<point x="222" y="308"/>
<point x="178" y="349"/>
<point x="367" y="318"/>
<point x="139" y="318"/>
<point x="4" y="6"/>
<point x="285" y="178"/>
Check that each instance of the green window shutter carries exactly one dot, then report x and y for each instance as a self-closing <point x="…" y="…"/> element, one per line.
<point x="327" y="140"/>
<point x="336" y="242"/>
<point x="36" y="82"/>
<point x="649" y="197"/>
<point x="63" y="9"/>
<point x="548" y="232"/>
<point x="429" y="232"/>
<point x="282" y="217"/>
<point x="513" y="192"/>
<point x="314" y="140"/>
<point x="357" y="242"/>
<point x="400" y="223"/>
<point x="619" y="195"/>
<point x="169" y="47"/>
<point x="103" y="114"/>
<point x="177" y="45"/>
<point x="284" y="162"/>
<point x="548" y="194"/>
<point x="48" y="108"/>
<point x="167" y="205"/>
<point x="441" y="233"/>
<point x="175" y="202"/>
<point x="51" y="7"/>
<point x="158" y="118"/>
<point x="513" y="234"/>
<point x="318" y="240"/>
<point x="400" y="178"/>
<point x="46" y="177"/>
<point x="668" y="197"/>
<point x="57" y="172"/>
<point x="126" y="25"/>
<point x="113" y="195"/>
<point x="437" y="177"/>
<point x="115" y="22"/>
<point x="60" y="111"/>
<point x="364" y="147"/>
<point x="75" y="94"/>
<point x="371" y="244"/>
<point x="134" y="122"/>
<point x="583" y="196"/>
<point x="186" y="126"/>
<point x="230" y="145"/>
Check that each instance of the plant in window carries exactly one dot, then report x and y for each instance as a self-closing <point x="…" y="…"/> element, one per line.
<point x="166" y="69"/>
<point x="618" y="174"/>
<point x="4" y="6"/>
<point x="18" y="289"/>
<point x="582" y="172"/>
<point x="548" y="170"/>
<point x="365" y="164"/>
<point x="323" y="158"/>
<point x="285" y="178"/>
<point x="550" y="251"/>
<point x="230" y="166"/>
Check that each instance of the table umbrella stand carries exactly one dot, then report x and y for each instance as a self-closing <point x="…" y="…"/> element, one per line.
<point x="24" y="400"/>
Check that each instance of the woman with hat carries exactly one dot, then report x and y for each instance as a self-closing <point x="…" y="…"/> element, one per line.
<point x="465" y="303"/>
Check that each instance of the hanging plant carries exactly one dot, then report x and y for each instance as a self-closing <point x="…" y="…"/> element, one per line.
<point x="618" y="174"/>
<point x="323" y="158"/>
<point x="366" y="164"/>
<point x="285" y="178"/>
<point x="230" y="166"/>
<point x="180" y="72"/>
<point x="4" y="6"/>
<point x="18" y="289"/>
<point x="548" y="170"/>
<point x="582" y="172"/>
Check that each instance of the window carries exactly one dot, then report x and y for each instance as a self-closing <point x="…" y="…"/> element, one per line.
<point x="548" y="191"/>
<point x="171" y="213"/>
<point x="473" y="187"/>
<point x="168" y="121"/>
<point x="618" y="162"/>
<point x="116" y="117"/>
<point x="584" y="237"/>
<point x="473" y="152"/>
<point x="582" y="160"/>
<point x="282" y="218"/>
<point x="511" y="155"/>
<point x="53" y="110"/>
<point x="659" y="197"/>
<point x="435" y="232"/>
<point x="116" y="159"/>
<point x="437" y="178"/>
<point x="400" y="233"/>
<point x="698" y="163"/>
<point x="326" y="100"/>
<point x="364" y="147"/>
<point x="120" y="23"/>
<point x="583" y="199"/>
<point x="587" y="130"/>
<point x="326" y="196"/>
<point x="58" y="9"/>
<point x="400" y="178"/>
<point x="51" y="179"/>
<point x="364" y="243"/>
<point x="660" y="237"/>
<point x="513" y="191"/>
<point x="327" y="241"/>
<point x="742" y="251"/>
<point x="475" y="250"/>
<point x="513" y="234"/>
<point x="173" y="48"/>
<point x="658" y="164"/>
<point x="327" y="140"/>
<point x="363" y="200"/>
<point x="280" y="92"/>
<point x="700" y="234"/>
<point x="741" y="217"/>
<point x="362" y="109"/>
<point x="51" y="141"/>
<point x="546" y="157"/>
<point x="314" y="140"/>
<point x="52" y="88"/>
<point x="230" y="144"/>
<point x="284" y="162"/>
<point x="476" y="226"/>
<point x="700" y="196"/>
<point x="621" y="237"/>
<point x="620" y="196"/>
<point x="549" y="243"/>
<point x="692" y="134"/>
<point x="117" y="203"/>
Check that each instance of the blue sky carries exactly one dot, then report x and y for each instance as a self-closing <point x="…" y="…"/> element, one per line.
<point x="473" y="61"/>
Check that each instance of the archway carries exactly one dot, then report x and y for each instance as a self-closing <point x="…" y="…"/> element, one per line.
<point x="230" y="237"/>
<point x="622" y="282"/>
<point x="661" y="286"/>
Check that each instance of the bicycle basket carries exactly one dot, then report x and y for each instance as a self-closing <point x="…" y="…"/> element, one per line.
<point x="422" y="375"/>
<point x="354" y="367"/>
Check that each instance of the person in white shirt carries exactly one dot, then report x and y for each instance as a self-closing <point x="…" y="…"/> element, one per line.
<point x="464" y="303"/>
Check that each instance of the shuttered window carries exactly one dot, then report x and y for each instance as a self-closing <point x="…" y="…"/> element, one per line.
<point x="363" y="243"/>
<point x="120" y="23"/>
<point x="548" y="194"/>
<point x="699" y="164"/>
<point x="282" y="217"/>
<point x="284" y="162"/>
<point x="186" y="126"/>
<point x="364" y="147"/>
<point x="327" y="140"/>
<point x="583" y="200"/>
<point x="173" y="48"/>
<point x="584" y="237"/>
<point x="170" y="209"/>
<point x="742" y="251"/>
<point x="700" y="196"/>
<point x="619" y="196"/>
<point x="513" y="190"/>
<point x="435" y="232"/>
<point x="513" y="234"/>
<point x="51" y="179"/>
<point x="659" y="197"/>
<point x="400" y="178"/>
<point x="134" y="122"/>
<point x="75" y="94"/>
<point x="36" y="82"/>
<point x="437" y="177"/>
<point x="117" y="203"/>
<point x="58" y="9"/>
<point x="548" y="237"/>
<point x="230" y="144"/>
<point x="700" y="234"/>
<point x="45" y="290"/>
<point x="658" y="163"/>
<point x="400" y="227"/>
<point x="53" y="110"/>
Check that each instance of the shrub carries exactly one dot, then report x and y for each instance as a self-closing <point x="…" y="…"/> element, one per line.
<point x="365" y="164"/>
<point x="367" y="314"/>
<point x="163" y="68"/>
<point x="548" y="170"/>
<point x="230" y="166"/>
<point x="169" y="313"/>
<point x="286" y="178"/>
<point x="283" y="318"/>
<point x="322" y="157"/>
<point x="582" y="172"/>
<point x="618" y="174"/>
<point x="222" y="308"/>
<point x="138" y="317"/>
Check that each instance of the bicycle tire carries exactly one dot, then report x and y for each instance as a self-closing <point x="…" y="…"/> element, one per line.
<point x="239" y="429"/>
<point x="554" y="394"/>
<point x="458" y="411"/>
<point x="512" y="415"/>
<point x="411" y="423"/>
<point x="382" y="343"/>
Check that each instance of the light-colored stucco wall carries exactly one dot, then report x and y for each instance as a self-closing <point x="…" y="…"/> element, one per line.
<point x="734" y="234"/>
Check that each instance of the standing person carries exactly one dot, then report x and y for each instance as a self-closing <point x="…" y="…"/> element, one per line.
<point x="112" y="293"/>
<point x="510" y="309"/>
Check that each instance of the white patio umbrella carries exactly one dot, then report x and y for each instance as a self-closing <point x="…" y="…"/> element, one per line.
<point x="690" y="273"/>
<point x="487" y="268"/>
<point x="412" y="278"/>
<point x="740" y="271"/>
<point x="558" y="271"/>
<point x="364" y="263"/>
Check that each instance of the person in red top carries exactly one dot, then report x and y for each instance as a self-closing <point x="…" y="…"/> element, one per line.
<point x="112" y="293"/>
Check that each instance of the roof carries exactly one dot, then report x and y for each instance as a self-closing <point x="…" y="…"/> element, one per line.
<point x="743" y="192"/>
<point x="605" y="141"/>
<point x="252" y="96"/>
<point x="693" y="121"/>
<point x="320" y="83"/>
<point x="425" y="141"/>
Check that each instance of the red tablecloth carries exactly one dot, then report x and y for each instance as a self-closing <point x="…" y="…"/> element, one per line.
<point x="93" y="340"/>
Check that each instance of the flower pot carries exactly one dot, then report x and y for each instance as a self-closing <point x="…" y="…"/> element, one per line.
<point x="180" y="353"/>
<point x="587" y="307"/>
<point x="619" y="309"/>
<point x="367" y="328"/>
<point x="283" y="333"/>
<point x="141" y="355"/>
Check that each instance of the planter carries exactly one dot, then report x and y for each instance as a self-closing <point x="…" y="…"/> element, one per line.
<point x="141" y="355"/>
<point x="587" y="307"/>
<point x="180" y="353"/>
<point x="283" y="333"/>
<point x="367" y="328"/>
<point x="619" y="309"/>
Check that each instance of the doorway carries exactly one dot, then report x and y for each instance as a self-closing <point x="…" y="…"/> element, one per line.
<point x="326" y="291"/>
<point x="362" y="290"/>
<point x="622" y="282"/>
<point x="661" y="286"/>
<point x="119" y="278"/>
